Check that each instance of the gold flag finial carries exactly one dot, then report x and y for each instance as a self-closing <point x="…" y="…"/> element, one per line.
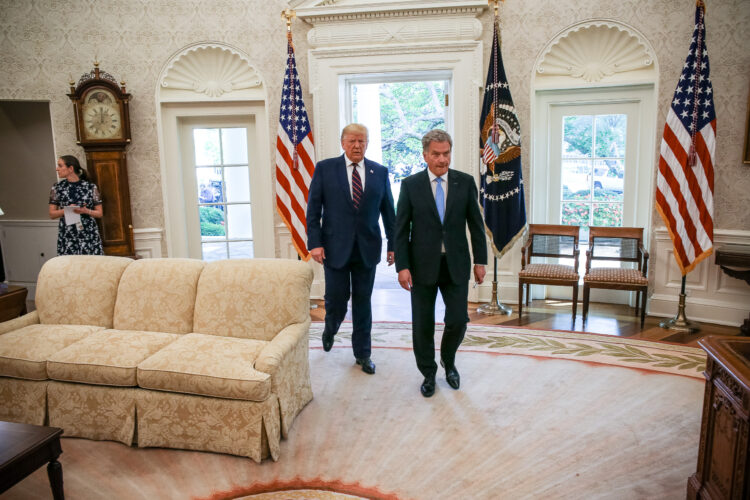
<point x="495" y="4"/>
<point x="288" y="15"/>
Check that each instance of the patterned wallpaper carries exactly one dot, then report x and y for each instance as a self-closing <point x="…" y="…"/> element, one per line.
<point x="527" y="26"/>
<point x="43" y="42"/>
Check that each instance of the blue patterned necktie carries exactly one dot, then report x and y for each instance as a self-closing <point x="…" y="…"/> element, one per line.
<point x="440" y="198"/>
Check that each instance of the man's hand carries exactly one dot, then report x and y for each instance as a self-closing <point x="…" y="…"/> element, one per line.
<point x="479" y="272"/>
<point x="318" y="254"/>
<point x="404" y="279"/>
<point x="391" y="256"/>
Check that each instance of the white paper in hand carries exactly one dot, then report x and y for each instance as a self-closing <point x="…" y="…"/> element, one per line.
<point x="71" y="217"/>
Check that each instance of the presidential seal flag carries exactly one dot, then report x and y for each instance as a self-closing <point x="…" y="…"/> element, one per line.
<point x="685" y="181"/>
<point x="501" y="182"/>
<point x="295" y="156"/>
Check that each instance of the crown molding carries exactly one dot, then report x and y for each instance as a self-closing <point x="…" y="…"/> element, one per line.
<point x="335" y="12"/>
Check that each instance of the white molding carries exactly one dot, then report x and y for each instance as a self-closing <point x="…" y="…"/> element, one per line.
<point x="27" y="245"/>
<point x="340" y="11"/>
<point x="148" y="242"/>
<point x="712" y="296"/>
<point x="287" y="251"/>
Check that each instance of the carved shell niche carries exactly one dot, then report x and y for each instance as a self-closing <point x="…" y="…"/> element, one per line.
<point x="210" y="70"/>
<point x="595" y="51"/>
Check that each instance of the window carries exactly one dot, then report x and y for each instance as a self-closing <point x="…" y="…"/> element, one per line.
<point x="592" y="170"/>
<point x="222" y="183"/>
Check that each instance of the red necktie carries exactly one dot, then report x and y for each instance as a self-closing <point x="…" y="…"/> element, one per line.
<point x="356" y="187"/>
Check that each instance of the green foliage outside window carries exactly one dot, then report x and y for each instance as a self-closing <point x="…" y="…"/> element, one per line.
<point x="212" y="221"/>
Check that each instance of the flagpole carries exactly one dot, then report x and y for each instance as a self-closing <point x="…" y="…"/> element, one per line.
<point x="680" y="323"/>
<point x="494" y="306"/>
<point x="287" y="15"/>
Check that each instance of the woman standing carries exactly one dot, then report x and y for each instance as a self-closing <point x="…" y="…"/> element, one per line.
<point x="74" y="190"/>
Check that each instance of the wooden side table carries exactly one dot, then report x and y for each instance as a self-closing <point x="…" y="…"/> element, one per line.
<point x="723" y="466"/>
<point x="12" y="301"/>
<point x="24" y="448"/>
<point x="734" y="260"/>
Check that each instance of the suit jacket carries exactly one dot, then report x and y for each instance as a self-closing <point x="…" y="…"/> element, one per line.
<point x="419" y="233"/>
<point x="334" y="224"/>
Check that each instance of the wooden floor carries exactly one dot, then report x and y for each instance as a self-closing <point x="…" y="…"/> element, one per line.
<point x="391" y="304"/>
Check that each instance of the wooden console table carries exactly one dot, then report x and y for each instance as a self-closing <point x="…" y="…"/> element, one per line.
<point x="723" y="456"/>
<point x="24" y="448"/>
<point x="12" y="301"/>
<point x="734" y="260"/>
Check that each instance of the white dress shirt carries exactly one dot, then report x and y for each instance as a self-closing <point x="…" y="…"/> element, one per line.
<point x="360" y="169"/>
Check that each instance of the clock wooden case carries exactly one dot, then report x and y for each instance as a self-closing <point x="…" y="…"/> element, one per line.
<point x="102" y="119"/>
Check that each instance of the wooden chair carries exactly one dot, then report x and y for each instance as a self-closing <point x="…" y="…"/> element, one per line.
<point x="622" y="244"/>
<point x="549" y="240"/>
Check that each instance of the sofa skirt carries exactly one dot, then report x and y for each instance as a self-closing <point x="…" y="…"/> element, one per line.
<point x="23" y="401"/>
<point x="102" y="413"/>
<point x="245" y="428"/>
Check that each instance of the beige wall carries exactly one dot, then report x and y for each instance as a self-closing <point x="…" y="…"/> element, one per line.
<point x="27" y="171"/>
<point x="45" y="41"/>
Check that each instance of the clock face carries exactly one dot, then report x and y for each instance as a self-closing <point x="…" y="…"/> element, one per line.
<point x="101" y="115"/>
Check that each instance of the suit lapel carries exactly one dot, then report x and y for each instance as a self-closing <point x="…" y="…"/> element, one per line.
<point x="426" y="184"/>
<point x="369" y="178"/>
<point x="343" y="180"/>
<point x="452" y="191"/>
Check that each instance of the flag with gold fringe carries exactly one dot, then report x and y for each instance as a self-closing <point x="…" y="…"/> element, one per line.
<point x="501" y="182"/>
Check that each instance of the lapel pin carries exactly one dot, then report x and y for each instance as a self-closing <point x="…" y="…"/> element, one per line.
<point x="370" y="170"/>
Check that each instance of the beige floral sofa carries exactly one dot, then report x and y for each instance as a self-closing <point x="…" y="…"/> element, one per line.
<point x="171" y="353"/>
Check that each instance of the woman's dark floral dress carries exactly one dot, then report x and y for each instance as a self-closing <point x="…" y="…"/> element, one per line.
<point x="75" y="240"/>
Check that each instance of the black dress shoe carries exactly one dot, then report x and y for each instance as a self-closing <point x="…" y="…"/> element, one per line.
<point x="452" y="376"/>
<point x="367" y="365"/>
<point x="428" y="387"/>
<point x="327" y="340"/>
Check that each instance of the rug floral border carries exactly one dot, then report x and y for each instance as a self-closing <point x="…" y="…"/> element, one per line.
<point x="641" y="354"/>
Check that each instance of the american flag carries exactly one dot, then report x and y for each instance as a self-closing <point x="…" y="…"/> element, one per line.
<point x="295" y="156"/>
<point x="685" y="182"/>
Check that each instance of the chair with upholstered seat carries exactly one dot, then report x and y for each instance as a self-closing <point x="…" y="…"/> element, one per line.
<point x="620" y="244"/>
<point x="549" y="240"/>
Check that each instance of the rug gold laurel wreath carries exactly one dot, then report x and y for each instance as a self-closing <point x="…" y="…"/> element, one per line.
<point x="644" y="354"/>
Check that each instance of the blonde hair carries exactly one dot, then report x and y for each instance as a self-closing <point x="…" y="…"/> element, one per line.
<point x="354" y="128"/>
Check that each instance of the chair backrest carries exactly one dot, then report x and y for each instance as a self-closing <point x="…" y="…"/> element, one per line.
<point x="553" y="240"/>
<point x="616" y="243"/>
<point x="79" y="289"/>
<point x="252" y="298"/>
<point x="158" y="295"/>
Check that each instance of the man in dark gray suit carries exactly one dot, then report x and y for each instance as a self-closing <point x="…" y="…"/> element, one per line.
<point x="432" y="253"/>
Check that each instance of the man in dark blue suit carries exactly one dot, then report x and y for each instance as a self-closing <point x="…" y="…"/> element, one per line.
<point x="348" y="195"/>
<point x="435" y="207"/>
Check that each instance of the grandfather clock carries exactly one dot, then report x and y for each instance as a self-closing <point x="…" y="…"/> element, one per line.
<point x="102" y="122"/>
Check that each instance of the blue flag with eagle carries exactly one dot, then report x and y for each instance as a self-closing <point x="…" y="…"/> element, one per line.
<point x="501" y="183"/>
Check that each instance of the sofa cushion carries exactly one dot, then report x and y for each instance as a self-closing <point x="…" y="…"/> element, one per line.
<point x="79" y="289"/>
<point x="24" y="352"/>
<point x="207" y="365"/>
<point x="158" y="295"/>
<point x="106" y="357"/>
<point x="252" y="298"/>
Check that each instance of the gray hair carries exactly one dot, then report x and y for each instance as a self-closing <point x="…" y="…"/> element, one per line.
<point x="436" y="135"/>
<point x="354" y="128"/>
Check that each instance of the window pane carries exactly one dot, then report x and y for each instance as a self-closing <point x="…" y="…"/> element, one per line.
<point x="575" y="214"/>
<point x="212" y="222"/>
<point x="576" y="179"/>
<point x="577" y="136"/>
<point x="234" y="142"/>
<point x="209" y="184"/>
<point x="610" y="135"/>
<point x="238" y="184"/>
<point x="241" y="250"/>
<point x="214" y="251"/>
<point x="207" y="150"/>
<point x="608" y="214"/>
<point x="609" y="180"/>
<point x="239" y="221"/>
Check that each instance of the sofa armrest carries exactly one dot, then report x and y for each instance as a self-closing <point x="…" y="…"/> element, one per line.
<point x="31" y="318"/>
<point x="273" y="354"/>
